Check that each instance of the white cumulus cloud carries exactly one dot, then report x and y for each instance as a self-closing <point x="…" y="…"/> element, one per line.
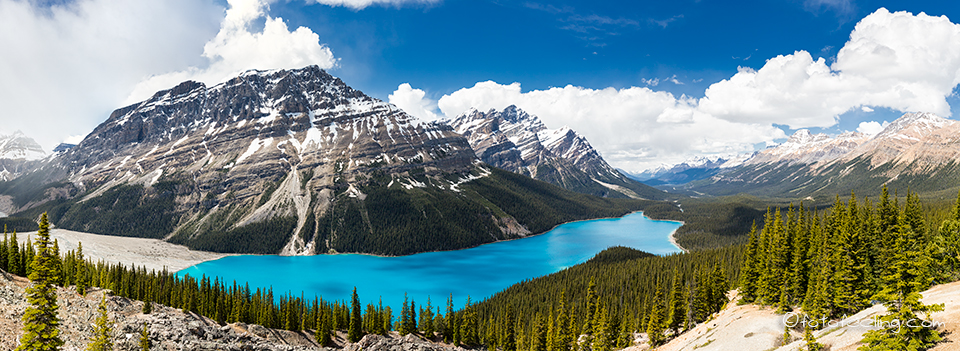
<point x="414" y="102"/>
<point x="65" y="67"/>
<point x="897" y="60"/>
<point x="361" y="4"/>
<point x="236" y="48"/>
<point x="872" y="127"/>
<point x="633" y="128"/>
<point x="866" y="109"/>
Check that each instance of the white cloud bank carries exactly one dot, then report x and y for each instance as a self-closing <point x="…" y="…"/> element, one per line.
<point x="66" y="67"/>
<point x="361" y="4"/>
<point x="896" y="60"/>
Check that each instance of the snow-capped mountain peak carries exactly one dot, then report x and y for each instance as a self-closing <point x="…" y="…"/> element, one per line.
<point x="514" y="140"/>
<point x="18" y="146"/>
<point x="913" y="126"/>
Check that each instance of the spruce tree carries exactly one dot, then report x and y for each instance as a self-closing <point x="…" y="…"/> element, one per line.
<point x="356" y="322"/>
<point x="811" y="341"/>
<point x="564" y="336"/>
<point x="102" y="329"/>
<point x="718" y="288"/>
<point x="13" y="255"/>
<point x="426" y="320"/>
<point x="901" y="295"/>
<point x="40" y="321"/>
<point x="602" y="340"/>
<point x="81" y="270"/>
<point x="677" y="309"/>
<point x="509" y="339"/>
<point x="656" y="323"/>
<point x="404" y="322"/>
<point x="591" y="300"/>
<point x="450" y="321"/>
<point x="539" y="341"/>
<point x="3" y="251"/>
<point x="147" y="307"/>
<point x="144" y="339"/>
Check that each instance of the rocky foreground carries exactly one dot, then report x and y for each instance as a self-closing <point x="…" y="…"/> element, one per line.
<point x="171" y="328"/>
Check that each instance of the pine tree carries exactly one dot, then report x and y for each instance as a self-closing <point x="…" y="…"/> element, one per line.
<point x="564" y="336"/>
<point x="591" y="300"/>
<point x="13" y="255"/>
<point x="102" y="329"/>
<point x="797" y="282"/>
<point x="657" y="321"/>
<point x="81" y="270"/>
<point x="750" y="273"/>
<point x="509" y="338"/>
<point x="718" y="289"/>
<point x="811" y="341"/>
<point x="677" y="304"/>
<point x="40" y="320"/>
<point x="602" y="340"/>
<point x="539" y="341"/>
<point x="355" y="321"/>
<point x="426" y="320"/>
<point x="3" y="251"/>
<point x="324" y="329"/>
<point x="901" y="294"/>
<point x="412" y="321"/>
<point x="404" y="323"/>
<point x="147" y="307"/>
<point x="451" y="326"/>
<point x="144" y="339"/>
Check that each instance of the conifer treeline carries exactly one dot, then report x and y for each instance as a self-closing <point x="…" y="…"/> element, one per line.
<point x="608" y="298"/>
<point x="833" y="263"/>
<point x="839" y="262"/>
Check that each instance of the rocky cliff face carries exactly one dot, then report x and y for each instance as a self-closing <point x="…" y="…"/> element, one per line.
<point x="267" y="145"/>
<point x="918" y="150"/>
<point x="518" y="142"/>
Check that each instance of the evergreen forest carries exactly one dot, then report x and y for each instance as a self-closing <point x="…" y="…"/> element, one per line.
<point x="823" y="263"/>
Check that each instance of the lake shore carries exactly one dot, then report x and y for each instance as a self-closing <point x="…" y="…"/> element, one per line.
<point x="673" y="238"/>
<point x="140" y="252"/>
<point x="158" y="254"/>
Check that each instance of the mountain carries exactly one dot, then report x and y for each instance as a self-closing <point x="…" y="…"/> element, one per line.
<point x="519" y="142"/>
<point x="293" y="162"/>
<point x="18" y="154"/>
<point x="917" y="151"/>
<point x="18" y="146"/>
<point x="696" y="168"/>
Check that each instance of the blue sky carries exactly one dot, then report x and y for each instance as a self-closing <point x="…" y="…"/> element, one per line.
<point x="632" y="76"/>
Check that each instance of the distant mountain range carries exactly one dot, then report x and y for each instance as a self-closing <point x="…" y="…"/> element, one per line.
<point x="918" y="151"/>
<point x="294" y="162"/>
<point x="519" y="142"/>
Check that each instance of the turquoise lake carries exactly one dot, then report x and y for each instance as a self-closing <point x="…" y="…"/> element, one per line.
<point x="477" y="272"/>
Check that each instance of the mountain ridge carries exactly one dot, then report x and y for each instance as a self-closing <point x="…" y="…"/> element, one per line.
<point x="287" y="161"/>
<point x="917" y="151"/>
<point x="516" y="141"/>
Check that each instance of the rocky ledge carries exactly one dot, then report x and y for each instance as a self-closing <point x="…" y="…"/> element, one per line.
<point x="173" y="329"/>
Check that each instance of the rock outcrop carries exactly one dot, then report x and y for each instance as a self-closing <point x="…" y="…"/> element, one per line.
<point x="173" y="329"/>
